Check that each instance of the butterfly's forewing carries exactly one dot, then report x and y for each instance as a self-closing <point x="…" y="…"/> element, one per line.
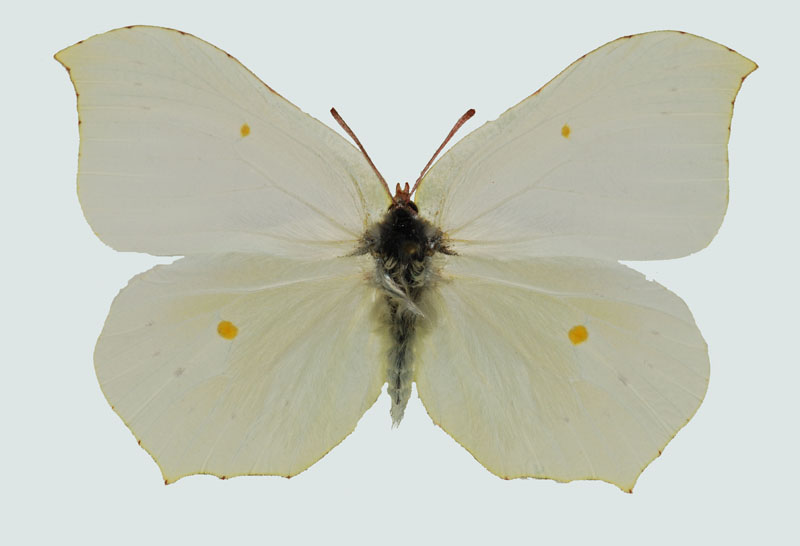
<point x="623" y="155"/>
<point x="242" y="364"/>
<point x="183" y="150"/>
<point x="561" y="368"/>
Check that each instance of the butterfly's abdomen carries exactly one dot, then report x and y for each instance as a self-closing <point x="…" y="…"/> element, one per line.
<point x="402" y="244"/>
<point x="400" y="370"/>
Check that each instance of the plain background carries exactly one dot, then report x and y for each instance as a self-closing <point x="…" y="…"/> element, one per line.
<point x="400" y="75"/>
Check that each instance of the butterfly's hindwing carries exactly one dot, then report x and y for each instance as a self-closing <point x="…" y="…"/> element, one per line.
<point x="243" y="364"/>
<point x="562" y="368"/>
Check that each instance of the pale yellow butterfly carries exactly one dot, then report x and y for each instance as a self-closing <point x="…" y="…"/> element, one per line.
<point x="306" y="286"/>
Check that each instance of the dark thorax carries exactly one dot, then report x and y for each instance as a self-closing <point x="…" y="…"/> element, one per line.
<point x="403" y="245"/>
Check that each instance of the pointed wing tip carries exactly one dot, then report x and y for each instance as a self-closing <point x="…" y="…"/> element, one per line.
<point x="59" y="56"/>
<point x="753" y="67"/>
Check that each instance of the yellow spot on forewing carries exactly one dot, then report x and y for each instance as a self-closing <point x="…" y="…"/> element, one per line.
<point x="578" y="334"/>
<point x="227" y="329"/>
<point x="245" y="129"/>
<point x="565" y="131"/>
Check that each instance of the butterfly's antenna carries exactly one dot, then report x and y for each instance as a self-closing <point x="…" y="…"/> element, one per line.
<point x="461" y="121"/>
<point x="350" y="132"/>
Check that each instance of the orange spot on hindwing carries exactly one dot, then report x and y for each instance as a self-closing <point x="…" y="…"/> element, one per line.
<point x="244" y="129"/>
<point x="227" y="329"/>
<point x="565" y="131"/>
<point x="578" y="334"/>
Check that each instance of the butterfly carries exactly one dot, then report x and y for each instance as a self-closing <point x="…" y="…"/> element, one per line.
<point x="494" y="284"/>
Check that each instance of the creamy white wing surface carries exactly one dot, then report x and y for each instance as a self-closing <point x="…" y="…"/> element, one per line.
<point x="183" y="150"/>
<point x="623" y="155"/>
<point x="562" y="368"/>
<point x="243" y="364"/>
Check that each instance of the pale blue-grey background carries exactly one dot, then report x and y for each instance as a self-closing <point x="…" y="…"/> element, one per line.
<point x="400" y="75"/>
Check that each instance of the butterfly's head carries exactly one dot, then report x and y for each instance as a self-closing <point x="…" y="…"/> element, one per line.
<point x="402" y="199"/>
